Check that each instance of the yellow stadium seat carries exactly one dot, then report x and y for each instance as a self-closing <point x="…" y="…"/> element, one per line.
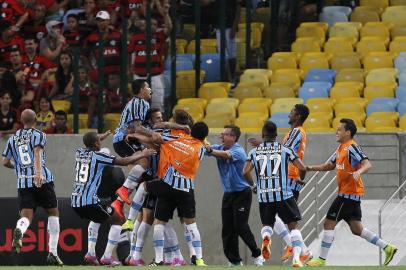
<point x="249" y="124"/>
<point x="62" y="105"/>
<point x="389" y="71"/>
<point x="357" y="121"/>
<point x="305" y="45"/>
<point x="322" y="25"/>
<point x="261" y="116"/>
<point x="83" y="117"/>
<point x="209" y="93"/>
<point x="327" y="101"/>
<point x="260" y="108"/>
<point x="395" y="16"/>
<point x="181" y="46"/>
<point x="339" y="92"/>
<point x="366" y="46"/>
<point x="364" y="15"/>
<point x="397" y="31"/>
<point x="86" y="130"/>
<point x="256" y="37"/>
<point x="397" y="2"/>
<point x="233" y="101"/>
<point x="258" y="84"/>
<point x="201" y="102"/>
<point x="342" y="108"/>
<point x="262" y="15"/>
<point x="266" y="72"/>
<point x="324" y="108"/>
<point x="294" y="55"/>
<point x="380" y="129"/>
<point x="356" y="116"/>
<point x="359" y="86"/>
<point x="217" y="122"/>
<point x="311" y="31"/>
<point x="282" y="107"/>
<point x="188" y="31"/>
<point x="226" y="109"/>
<point x="266" y="101"/>
<point x="206" y="46"/>
<point x="310" y="62"/>
<point x="350" y="74"/>
<point x="298" y="72"/>
<point x="258" y="25"/>
<point x="242" y="92"/>
<point x="291" y="79"/>
<point x="225" y="85"/>
<point x="378" y="60"/>
<point x="195" y="111"/>
<point x="356" y="25"/>
<point x="185" y="83"/>
<point x="380" y="78"/>
<point x="359" y="100"/>
<point x="345" y="60"/>
<point x="317" y="123"/>
<point x="279" y="62"/>
<point x="392" y="115"/>
<point x="398" y="45"/>
<point x="255" y="77"/>
<point x="371" y="92"/>
<point x="277" y="90"/>
<point x="388" y="25"/>
<point x="375" y="31"/>
<point x="376" y="122"/>
<point x="338" y="45"/>
<point x="324" y="55"/>
<point x="402" y="123"/>
<point x="344" y="31"/>
<point x="290" y="100"/>
<point x="381" y="4"/>
<point x="111" y="121"/>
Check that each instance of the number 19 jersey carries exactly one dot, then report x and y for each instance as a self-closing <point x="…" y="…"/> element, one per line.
<point x="20" y="149"/>
<point x="88" y="173"/>
<point x="271" y="163"/>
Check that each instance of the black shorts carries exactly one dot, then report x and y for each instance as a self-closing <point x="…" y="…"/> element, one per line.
<point x="126" y="149"/>
<point x="32" y="197"/>
<point x="346" y="209"/>
<point x="149" y="202"/>
<point x="287" y="210"/>
<point x="296" y="195"/>
<point x="97" y="212"/>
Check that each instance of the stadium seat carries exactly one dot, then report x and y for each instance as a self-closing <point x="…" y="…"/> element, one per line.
<point x="364" y="15"/>
<point x="195" y="111"/>
<point x="279" y="62"/>
<point x="206" y="46"/>
<point x="398" y="45"/>
<point x="313" y="62"/>
<point x="402" y="123"/>
<point x="397" y="31"/>
<point x="395" y="16"/>
<point x="86" y="130"/>
<point x="62" y="105"/>
<point x="83" y="117"/>
<point x="402" y="78"/>
<point x="258" y="84"/>
<point x="378" y="77"/>
<point x="181" y="64"/>
<point x="359" y="100"/>
<point x="380" y="4"/>
<point x="348" y="107"/>
<point x="188" y="31"/>
<point x="346" y="30"/>
<point x="256" y="33"/>
<point x="332" y="17"/>
<point x="324" y="108"/>
<point x="314" y="90"/>
<point x="217" y="122"/>
<point x="376" y="91"/>
<point x="397" y="2"/>
<point x="391" y="115"/>
<point x="338" y="45"/>
<point x="293" y="55"/>
<point x="290" y="100"/>
<point x="255" y="77"/>
<point x="242" y="92"/>
<point x="281" y="119"/>
<point x="373" y="124"/>
<point x="225" y="85"/>
<point x="259" y="108"/>
<point x="320" y="75"/>
<point x="305" y="45"/>
<point x="233" y="101"/>
<point x="400" y="61"/>
<point x="185" y="83"/>
<point x="365" y="46"/>
<point x="181" y="46"/>
<point x="401" y="108"/>
<point x="213" y="109"/>
<point x="317" y="123"/>
<point x="266" y="101"/>
<point x="111" y="121"/>
<point x="359" y="116"/>
<point x="332" y="9"/>
<point x="322" y="25"/>
<point x="401" y="93"/>
<point x="378" y="60"/>
<point x="263" y="71"/>
<point x="201" y="102"/>
<point x="373" y="107"/>
<point x="249" y="124"/>
<point x="292" y="79"/>
<point x="278" y="90"/>
<point x="210" y="63"/>
<point x="339" y="92"/>
<point x="359" y="86"/>
<point x="209" y="93"/>
<point x="311" y="31"/>
<point x="345" y="60"/>
<point x="279" y="107"/>
<point x="322" y="101"/>
<point x="369" y="30"/>
<point x="351" y="75"/>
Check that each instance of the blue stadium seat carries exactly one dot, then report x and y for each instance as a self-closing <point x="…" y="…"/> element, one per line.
<point x="181" y="64"/>
<point x="320" y="75"/>
<point x="210" y="63"/>
<point x="382" y="105"/>
<point x="401" y="108"/>
<point x="402" y="77"/>
<point x="401" y="93"/>
<point x="334" y="9"/>
<point x="332" y="17"/>
<point x="189" y="56"/>
<point x="281" y="119"/>
<point x="314" y="90"/>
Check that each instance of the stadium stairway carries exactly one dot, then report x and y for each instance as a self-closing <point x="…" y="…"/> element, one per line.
<point x="348" y="249"/>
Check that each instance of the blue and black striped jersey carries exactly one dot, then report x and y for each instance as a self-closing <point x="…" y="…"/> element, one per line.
<point x="20" y="149"/>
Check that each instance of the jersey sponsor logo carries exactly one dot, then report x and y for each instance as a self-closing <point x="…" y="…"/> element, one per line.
<point x="144" y="53"/>
<point x="111" y="51"/>
<point x="340" y="167"/>
<point x="135" y="5"/>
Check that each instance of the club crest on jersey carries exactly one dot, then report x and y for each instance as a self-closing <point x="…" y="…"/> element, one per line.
<point x="112" y="42"/>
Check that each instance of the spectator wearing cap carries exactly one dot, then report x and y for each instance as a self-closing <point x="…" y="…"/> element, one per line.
<point x="53" y="44"/>
<point x="36" y="26"/>
<point x="9" y="41"/>
<point x="14" y="12"/>
<point x="60" y="127"/>
<point x="138" y="49"/>
<point x="111" y="47"/>
<point x="71" y="34"/>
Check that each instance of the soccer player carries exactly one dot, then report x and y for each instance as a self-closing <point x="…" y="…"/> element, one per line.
<point x="90" y="164"/>
<point x="350" y="162"/>
<point x="237" y="197"/>
<point x="271" y="161"/>
<point x="34" y="182"/>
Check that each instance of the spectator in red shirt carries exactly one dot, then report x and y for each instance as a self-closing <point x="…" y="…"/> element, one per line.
<point x="8" y="115"/>
<point x="87" y="18"/>
<point x="85" y="89"/>
<point x="36" y="26"/>
<point x="63" y="87"/>
<point x="53" y="44"/>
<point x="60" y="127"/>
<point x="71" y="34"/>
<point x="138" y="48"/>
<point x="9" y="41"/>
<point x="14" y="12"/>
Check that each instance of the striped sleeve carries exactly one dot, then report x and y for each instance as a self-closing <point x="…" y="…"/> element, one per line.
<point x="138" y="110"/>
<point x="251" y="155"/>
<point x="294" y="139"/>
<point x="202" y="152"/>
<point x="167" y="136"/>
<point x="39" y="139"/>
<point x="7" y="153"/>
<point x="104" y="158"/>
<point x="290" y="154"/>
<point x="333" y="158"/>
<point x="355" y="154"/>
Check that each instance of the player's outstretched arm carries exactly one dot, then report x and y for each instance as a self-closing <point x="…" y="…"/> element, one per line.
<point x="104" y="135"/>
<point x="328" y="166"/>
<point x="7" y="163"/>
<point x="136" y="156"/>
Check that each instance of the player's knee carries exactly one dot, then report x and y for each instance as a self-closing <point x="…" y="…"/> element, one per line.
<point x="53" y="212"/>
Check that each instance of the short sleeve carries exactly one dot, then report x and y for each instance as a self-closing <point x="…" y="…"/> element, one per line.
<point x="105" y="158"/>
<point x="356" y="155"/>
<point x="294" y="139"/>
<point x="251" y="156"/>
<point x="291" y="154"/>
<point x="7" y="153"/>
<point x="40" y="139"/>
<point x="333" y="158"/>
<point x="237" y="153"/>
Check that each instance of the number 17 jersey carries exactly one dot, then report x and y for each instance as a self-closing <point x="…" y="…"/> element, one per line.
<point x="88" y="173"/>
<point x="271" y="163"/>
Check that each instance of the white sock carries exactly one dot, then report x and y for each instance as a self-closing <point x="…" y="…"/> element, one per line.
<point x="196" y="240"/>
<point x="188" y="239"/>
<point x="133" y="236"/>
<point x="373" y="238"/>
<point x="23" y="224"/>
<point x="138" y="200"/>
<point x="133" y="176"/>
<point x="92" y="233"/>
<point x="139" y="244"/>
<point x="281" y="230"/>
<point x="266" y="231"/>
<point x="304" y="248"/>
<point x="168" y="255"/>
<point x="159" y="238"/>
<point x="172" y="239"/>
<point x="297" y="241"/>
<point x="53" y="230"/>
<point x="114" y="236"/>
<point x="326" y="242"/>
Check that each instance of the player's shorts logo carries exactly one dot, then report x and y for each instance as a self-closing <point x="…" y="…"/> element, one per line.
<point x="109" y="210"/>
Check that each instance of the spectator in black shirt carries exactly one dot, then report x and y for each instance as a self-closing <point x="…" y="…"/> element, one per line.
<point x="8" y="115"/>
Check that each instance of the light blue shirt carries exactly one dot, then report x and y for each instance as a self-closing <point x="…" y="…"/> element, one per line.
<point x="232" y="178"/>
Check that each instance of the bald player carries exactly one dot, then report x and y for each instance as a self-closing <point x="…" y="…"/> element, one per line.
<point x="25" y="153"/>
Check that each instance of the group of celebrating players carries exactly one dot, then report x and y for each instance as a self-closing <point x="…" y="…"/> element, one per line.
<point x="163" y="160"/>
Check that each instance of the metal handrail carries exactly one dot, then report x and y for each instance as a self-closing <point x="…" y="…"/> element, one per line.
<point x="380" y="214"/>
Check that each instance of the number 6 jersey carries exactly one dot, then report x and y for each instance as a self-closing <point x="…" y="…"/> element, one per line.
<point x="20" y="149"/>
<point x="88" y="173"/>
<point x="271" y="163"/>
